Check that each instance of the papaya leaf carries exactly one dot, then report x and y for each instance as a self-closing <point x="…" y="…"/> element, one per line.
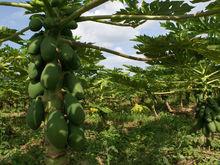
<point x="157" y="7"/>
<point x="199" y="1"/>
<point x="215" y="5"/>
<point x="6" y="32"/>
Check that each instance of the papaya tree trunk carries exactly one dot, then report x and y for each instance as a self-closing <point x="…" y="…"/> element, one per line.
<point x="54" y="156"/>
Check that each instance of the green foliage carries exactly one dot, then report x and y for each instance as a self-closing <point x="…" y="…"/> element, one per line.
<point x="6" y="32"/>
<point x="13" y="75"/>
<point x="157" y="7"/>
<point x="126" y="140"/>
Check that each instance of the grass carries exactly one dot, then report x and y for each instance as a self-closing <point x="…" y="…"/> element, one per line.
<point x="126" y="139"/>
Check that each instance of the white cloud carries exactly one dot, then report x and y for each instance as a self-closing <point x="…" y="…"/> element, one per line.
<point x="115" y="61"/>
<point x="106" y="8"/>
<point x="119" y="49"/>
<point x="105" y="35"/>
<point x="112" y="37"/>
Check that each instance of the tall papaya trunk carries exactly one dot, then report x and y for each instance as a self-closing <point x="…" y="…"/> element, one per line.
<point x="55" y="156"/>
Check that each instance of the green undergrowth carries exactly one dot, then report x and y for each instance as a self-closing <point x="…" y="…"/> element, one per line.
<point x="122" y="139"/>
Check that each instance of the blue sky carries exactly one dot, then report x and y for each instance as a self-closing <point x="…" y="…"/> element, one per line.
<point x="112" y="37"/>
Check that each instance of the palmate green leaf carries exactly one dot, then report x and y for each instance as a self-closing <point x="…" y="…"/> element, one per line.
<point x="214" y="48"/>
<point x="194" y="27"/>
<point x="199" y="1"/>
<point x="211" y="52"/>
<point x="167" y="50"/>
<point x="128" y="80"/>
<point x="6" y="32"/>
<point x="38" y="6"/>
<point x="89" y="61"/>
<point x="215" y="5"/>
<point x="156" y="7"/>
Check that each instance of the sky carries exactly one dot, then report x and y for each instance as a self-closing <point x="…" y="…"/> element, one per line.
<point x="112" y="37"/>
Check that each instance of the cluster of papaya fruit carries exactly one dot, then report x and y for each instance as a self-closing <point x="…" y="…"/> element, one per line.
<point x="54" y="88"/>
<point x="208" y="116"/>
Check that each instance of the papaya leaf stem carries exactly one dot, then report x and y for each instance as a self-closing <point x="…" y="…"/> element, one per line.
<point x="14" y="35"/>
<point x="48" y="8"/>
<point x="89" y="45"/>
<point x="112" y="23"/>
<point x="150" y="17"/>
<point x="82" y="10"/>
<point x="14" y="4"/>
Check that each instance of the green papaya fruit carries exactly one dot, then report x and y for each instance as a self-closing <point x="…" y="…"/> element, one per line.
<point x="217" y="117"/>
<point x="34" y="47"/>
<point x="213" y="104"/>
<point x="208" y="114"/>
<point x="35" y="114"/>
<point x="35" y="89"/>
<point x="73" y="84"/>
<point x="211" y="126"/>
<point x="74" y="109"/>
<point x="76" y="139"/>
<point x="199" y="124"/>
<point x="57" y="3"/>
<point x="51" y="76"/>
<point x="71" y="25"/>
<point x="68" y="10"/>
<point x="67" y="33"/>
<point x="41" y="33"/>
<point x="66" y="53"/>
<point x="201" y="112"/>
<point x="217" y="125"/>
<point x="41" y="16"/>
<point x="35" y="24"/>
<point x="69" y="58"/>
<point x="75" y="113"/>
<point x="48" y="48"/>
<point x="69" y="99"/>
<point x="57" y="130"/>
<point x="50" y="22"/>
<point x="33" y="72"/>
<point x="205" y="131"/>
<point x="38" y="61"/>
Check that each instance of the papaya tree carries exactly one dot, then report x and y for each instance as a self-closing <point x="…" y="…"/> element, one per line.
<point x="54" y="87"/>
